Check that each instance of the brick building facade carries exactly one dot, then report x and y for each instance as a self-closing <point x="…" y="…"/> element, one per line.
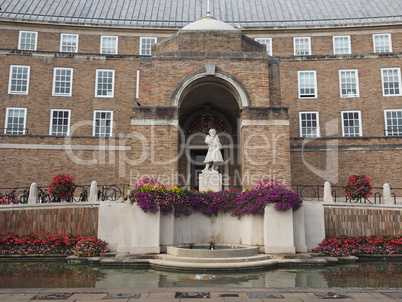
<point x="100" y="101"/>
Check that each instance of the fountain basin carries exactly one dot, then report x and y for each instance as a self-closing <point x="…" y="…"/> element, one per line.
<point x="219" y="251"/>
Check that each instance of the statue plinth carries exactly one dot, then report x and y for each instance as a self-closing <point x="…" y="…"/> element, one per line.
<point x="210" y="180"/>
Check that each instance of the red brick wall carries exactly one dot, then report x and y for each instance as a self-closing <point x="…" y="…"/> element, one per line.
<point x="82" y="103"/>
<point x="88" y="38"/>
<point x="371" y="102"/>
<point x="356" y="221"/>
<point x="381" y="166"/>
<point x="82" y="220"/>
<point x="39" y="165"/>
<point x="265" y="83"/>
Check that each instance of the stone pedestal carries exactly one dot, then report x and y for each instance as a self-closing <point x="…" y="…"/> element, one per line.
<point x="210" y="180"/>
<point x="33" y="193"/>
<point x="278" y="231"/>
<point x="299" y="230"/>
<point x="145" y="232"/>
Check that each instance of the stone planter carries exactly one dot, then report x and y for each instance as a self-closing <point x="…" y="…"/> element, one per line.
<point x="278" y="231"/>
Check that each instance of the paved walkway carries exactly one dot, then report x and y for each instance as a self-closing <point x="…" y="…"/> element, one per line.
<point x="200" y="294"/>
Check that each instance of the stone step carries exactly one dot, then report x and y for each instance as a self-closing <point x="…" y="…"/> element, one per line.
<point x="228" y="266"/>
<point x="259" y="257"/>
<point x="224" y="266"/>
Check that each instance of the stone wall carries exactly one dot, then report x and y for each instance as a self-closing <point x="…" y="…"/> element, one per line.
<point x="354" y="220"/>
<point x="82" y="219"/>
<point x="50" y="220"/>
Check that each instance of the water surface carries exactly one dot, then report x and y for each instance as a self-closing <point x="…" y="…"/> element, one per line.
<point x="62" y="275"/>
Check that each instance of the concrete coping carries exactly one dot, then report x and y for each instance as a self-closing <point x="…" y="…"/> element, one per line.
<point x="362" y="205"/>
<point x="221" y="251"/>
<point x="50" y="205"/>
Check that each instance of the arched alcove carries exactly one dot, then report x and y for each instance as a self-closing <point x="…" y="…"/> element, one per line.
<point x="207" y="102"/>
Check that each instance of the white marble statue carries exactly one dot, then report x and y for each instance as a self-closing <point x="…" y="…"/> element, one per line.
<point x="214" y="155"/>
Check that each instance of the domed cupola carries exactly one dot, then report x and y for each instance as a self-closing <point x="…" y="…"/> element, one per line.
<point x="209" y="35"/>
<point x="208" y="23"/>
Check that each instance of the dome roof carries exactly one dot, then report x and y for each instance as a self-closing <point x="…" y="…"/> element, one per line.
<point x="208" y="23"/>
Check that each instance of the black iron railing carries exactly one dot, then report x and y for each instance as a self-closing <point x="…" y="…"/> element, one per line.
<point x="20" y="195"/>
<point x="316" y="192"/>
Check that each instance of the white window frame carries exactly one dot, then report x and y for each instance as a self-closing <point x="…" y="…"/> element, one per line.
<point x="311" y="134"/>
<point x="62" y="45"/>
<point x="301" y="96"/>
<point x="51" y="122"/>
<point x="54" y="93"/>
<point x="375" y="46"/>
<point x="295" y="49"/>
<point x="360" y="123"/>
<point x="150" y="48"/>
<point x="11" y="79"/>
<point x="94" y="123"/>
<point x="267" y="42"/>
<point x="399" y="125"/>
<point x="383" y="82"/>
<point x="341" y="51"/>
<point x="7" y="116"/>
<point x="356" y="83"/>
<point x="102" y="46"/>
<point x="20" y="40"/>
<point x="97" y="83"/>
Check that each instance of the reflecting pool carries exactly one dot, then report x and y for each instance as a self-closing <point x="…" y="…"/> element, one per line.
<point x="63" y="275"/>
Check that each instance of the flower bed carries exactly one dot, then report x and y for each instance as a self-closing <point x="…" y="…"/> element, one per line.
<point x="152" y="196"/>
<point x="346" y="246"/>
<point x="13" y="244"/>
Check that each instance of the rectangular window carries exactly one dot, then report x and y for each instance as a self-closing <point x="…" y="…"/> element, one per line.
<point x="382" y="43"/>
<point x="15" y="121"/>
<point x="309" y="124"/>
<point x="393" y="122"/>
<point x="349" y="83"/>
<point x="342" y="45"/>
<point x="307" y="84"/>
<point x="391" y="81"/>
<point x="62" y="81"/>
<point x="59" y="122"/>
<point x="103" y="123"/>
<point x="104" y="83"/>
<point x="19" y="79"/>
<point x="109" y="44"/>
<point x="267" y="42"/>
<point x="302" y="46"/>
<point x="69" y="43"/>
<point x="146" y="44"/>
<point x="351" y="123"/>
<point x="27" y="40"/>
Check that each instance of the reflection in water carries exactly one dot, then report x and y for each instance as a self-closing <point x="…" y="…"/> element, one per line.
<point x="47" y="274"/>
<point x="382" y="274"/>
<point x="63" y="275"/>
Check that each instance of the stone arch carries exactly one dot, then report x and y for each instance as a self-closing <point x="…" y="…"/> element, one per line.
<point x="230" y="82"/>
<point x="209" y="99"/>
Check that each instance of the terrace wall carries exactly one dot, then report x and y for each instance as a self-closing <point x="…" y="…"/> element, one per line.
<point x="82" y="219"/>
<point x="358" y="220"/>
<point x="50" y="220"/>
